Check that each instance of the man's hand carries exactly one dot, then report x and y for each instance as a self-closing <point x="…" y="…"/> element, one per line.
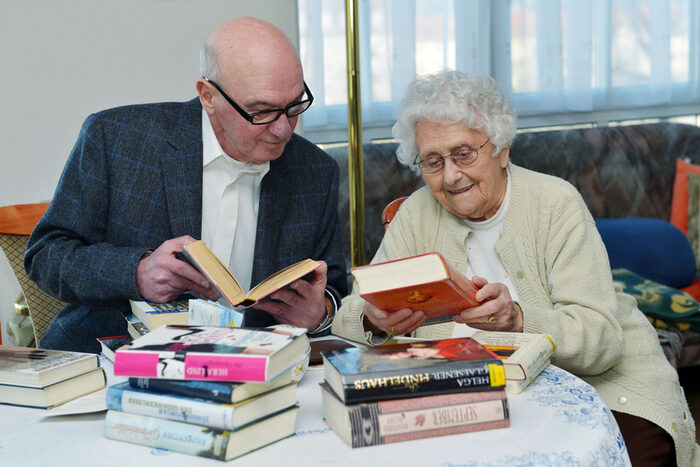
<point x="160" y="277"/>
<point x="302" y="304"/>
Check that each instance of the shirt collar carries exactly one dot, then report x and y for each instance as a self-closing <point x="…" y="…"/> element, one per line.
<point x="211" y="151"/>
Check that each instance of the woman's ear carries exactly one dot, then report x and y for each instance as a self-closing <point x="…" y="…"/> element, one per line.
<point x="504" y="157"/>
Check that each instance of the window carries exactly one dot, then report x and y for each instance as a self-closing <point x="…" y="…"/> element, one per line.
<point x="559" y="61"/>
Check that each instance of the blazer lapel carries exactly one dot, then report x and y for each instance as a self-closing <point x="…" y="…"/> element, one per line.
<point x="275" y="195"/>
<point x="182" y="172"/>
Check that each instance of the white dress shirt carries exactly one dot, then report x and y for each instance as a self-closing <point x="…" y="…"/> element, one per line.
<point x="230" y="200"/>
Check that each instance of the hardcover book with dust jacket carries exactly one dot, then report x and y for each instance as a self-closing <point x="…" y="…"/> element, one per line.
<point x="213" y="353"/>
<point x="413" y="369"/>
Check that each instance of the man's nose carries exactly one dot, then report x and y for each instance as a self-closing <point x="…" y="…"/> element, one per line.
<point x="281" y="127"/>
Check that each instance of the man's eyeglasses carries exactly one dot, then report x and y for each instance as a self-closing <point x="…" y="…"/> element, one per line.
<point x="462" y="156"/>
<point x="263" y="117"/>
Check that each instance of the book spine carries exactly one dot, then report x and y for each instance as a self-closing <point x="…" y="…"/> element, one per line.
<point x="517" y="386"/>
<point x="176" y="436"/>
<point x="188" y="410"/>
<point x="386" y="422"/>
<point x="533" y="358"/>
<point x="483" y="375"/>
<point x="217" y="392"/>
<point x="204" y="367"/>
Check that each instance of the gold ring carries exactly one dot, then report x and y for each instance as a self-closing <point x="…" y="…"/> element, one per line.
<point x="393" y="333"/>
<point x="493" y="319"/>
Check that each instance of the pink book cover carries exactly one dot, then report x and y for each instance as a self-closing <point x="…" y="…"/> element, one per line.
<point x="209" y="353"/>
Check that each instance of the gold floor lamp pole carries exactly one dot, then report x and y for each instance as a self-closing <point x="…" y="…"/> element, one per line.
<point x="355" y="171"/>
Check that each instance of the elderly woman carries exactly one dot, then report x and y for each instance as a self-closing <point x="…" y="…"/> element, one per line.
<point x="533" y="250"/>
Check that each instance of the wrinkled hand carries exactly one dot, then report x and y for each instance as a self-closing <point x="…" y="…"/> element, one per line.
<point x="302" y="304"/>
<point x="497" y="311"/>
<point x="160" y="277"/>
<point x="395" y="323"/>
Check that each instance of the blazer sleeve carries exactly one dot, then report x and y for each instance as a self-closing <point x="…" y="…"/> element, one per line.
<point x="67" y="254"/>
<point x="329" y="244"/>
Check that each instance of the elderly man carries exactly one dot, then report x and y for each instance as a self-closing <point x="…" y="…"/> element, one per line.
<point x="143" y="181"/>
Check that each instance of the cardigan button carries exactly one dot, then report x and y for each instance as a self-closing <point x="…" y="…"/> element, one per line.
<point x="674" y="427"/>
<point x="622" y="400"/>
<point x="519" y="274"/>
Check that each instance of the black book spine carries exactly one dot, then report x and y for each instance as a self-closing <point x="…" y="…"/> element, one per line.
<point x="211" y="391"/>
<point x="417" y="382"/>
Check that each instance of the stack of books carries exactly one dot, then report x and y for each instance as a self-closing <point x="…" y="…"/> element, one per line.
<point x="208" y="391"/>
<point x="46" y="378"/>
<point x="421" y="389"/>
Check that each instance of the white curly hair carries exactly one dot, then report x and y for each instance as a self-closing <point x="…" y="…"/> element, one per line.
<point x="453" y="97"/>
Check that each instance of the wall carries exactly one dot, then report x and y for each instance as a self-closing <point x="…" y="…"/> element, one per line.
<point x="63" y="60"/>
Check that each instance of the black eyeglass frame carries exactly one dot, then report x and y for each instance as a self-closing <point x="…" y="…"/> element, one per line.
<point x="250" y="117"/>
<point x="451" y="155"/>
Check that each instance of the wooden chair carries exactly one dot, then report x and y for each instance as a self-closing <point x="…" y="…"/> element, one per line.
<point x="390" y="210"/>
<point x="16" y="224"/>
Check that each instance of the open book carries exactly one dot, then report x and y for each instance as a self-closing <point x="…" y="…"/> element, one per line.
<point x="223" y="281"/>
<point x="424" y="282"/>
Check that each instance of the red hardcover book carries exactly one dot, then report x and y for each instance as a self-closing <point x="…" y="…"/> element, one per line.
<point x="424" y="282"/>
<point x="391" y="421"/>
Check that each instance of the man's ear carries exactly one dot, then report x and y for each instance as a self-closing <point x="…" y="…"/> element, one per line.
<point x="206" y="95"/>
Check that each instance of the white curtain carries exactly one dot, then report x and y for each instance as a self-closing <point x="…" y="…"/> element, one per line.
<point x="548" y="56"/>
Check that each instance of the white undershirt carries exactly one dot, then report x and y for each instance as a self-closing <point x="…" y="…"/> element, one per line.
<point x="481" y="251"/>
<point x="230" y="201"/>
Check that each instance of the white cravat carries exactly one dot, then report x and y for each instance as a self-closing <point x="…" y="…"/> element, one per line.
<point x="230" y="200"/>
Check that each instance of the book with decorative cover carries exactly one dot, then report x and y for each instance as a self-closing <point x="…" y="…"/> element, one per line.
<point x="153" y="315"/>
<point x="28" y="366"/>
<point x="392" y="421"/>
<point x="109" y="344"/>
<point x="199" y="440"/>
<point x="124" y="398"/>
<point x="424" y="282"/>
<point x="213" y="353"/>
<point x="413" y="369"/>
<point x="208" y="313"/>
<point x="524" y="355"/>
<point x="134" y="326"/>
<point x="221" y="391"/>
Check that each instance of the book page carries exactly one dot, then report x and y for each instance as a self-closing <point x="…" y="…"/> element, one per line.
<point x="283" y="277"/>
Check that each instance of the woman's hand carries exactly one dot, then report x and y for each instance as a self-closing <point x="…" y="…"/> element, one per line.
<point x="497" y="311"/>
<point x="395" y="323"/>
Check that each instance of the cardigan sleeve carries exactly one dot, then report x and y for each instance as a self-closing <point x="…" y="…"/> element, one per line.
<point x="569" y="294"/>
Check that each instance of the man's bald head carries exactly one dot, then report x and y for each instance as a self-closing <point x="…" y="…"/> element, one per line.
<point x="250" y="67"/>
<point x="243" y="48"/>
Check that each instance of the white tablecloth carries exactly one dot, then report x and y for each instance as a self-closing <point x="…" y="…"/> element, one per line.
<point x="558" y="420"/>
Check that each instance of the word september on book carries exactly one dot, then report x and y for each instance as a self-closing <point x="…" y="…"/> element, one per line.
<point x="225" y="283"/>
<point x="213" y="353"/>
<point x="391" y="421"/>
<point x="424" y="282"/>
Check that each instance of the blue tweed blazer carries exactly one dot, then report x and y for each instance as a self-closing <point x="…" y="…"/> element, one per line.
<point x="134" y="180"/>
